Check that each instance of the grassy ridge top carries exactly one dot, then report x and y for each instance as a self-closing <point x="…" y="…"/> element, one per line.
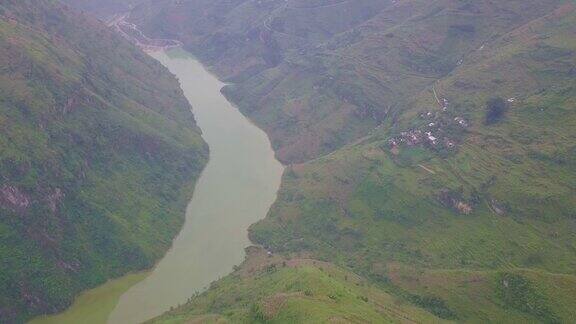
<point x="98" y="156"/>
<point x="274" y="289"/>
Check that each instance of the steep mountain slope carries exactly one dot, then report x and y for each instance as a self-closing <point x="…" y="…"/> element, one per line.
<point x="518" y="171"/>
<point x="103" y="9"/>
<point x="99" y="153"/>
<point x="238" y="39"/>
<point x="474" y="193"/>
<point x="431" y="143"/>
<point x="318" y="74"/>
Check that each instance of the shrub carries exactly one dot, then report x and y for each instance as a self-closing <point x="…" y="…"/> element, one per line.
<point x="519" y="293"/>
<point x="435" y="305"/>
<point x="495" y="110"/>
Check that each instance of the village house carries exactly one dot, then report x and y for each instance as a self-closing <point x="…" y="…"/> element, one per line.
<point x="461" y="121"/>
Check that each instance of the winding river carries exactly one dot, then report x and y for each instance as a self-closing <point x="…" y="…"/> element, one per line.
<point x="235" y="190"/>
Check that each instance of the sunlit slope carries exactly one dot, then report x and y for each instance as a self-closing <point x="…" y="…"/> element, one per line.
<point x="98" y="156"/>
<point x="270" y="289"/>
<point x="273" y="289"/>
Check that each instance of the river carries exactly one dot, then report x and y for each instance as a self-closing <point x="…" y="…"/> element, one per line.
<point x="235" y="190"/>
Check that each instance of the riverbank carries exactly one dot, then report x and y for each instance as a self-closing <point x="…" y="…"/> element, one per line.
<point x="94" y="305"/>
<point x="235" y="190"/>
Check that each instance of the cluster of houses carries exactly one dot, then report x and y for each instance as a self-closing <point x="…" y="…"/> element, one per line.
<point x="461" y="121"/>
<point x="444" y="104"/>
<point x="432" y="134"/>
<point x="416" y="137"/>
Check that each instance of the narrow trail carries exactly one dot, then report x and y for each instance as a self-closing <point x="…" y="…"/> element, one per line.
<point x="427" y="169"/>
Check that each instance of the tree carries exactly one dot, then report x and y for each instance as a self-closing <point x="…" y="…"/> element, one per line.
<point x="495" y="109"/>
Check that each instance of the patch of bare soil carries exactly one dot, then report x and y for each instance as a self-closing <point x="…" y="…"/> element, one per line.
<point x="273" y="304"/>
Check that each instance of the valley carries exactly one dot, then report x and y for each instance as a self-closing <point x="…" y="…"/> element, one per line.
<point x="428" y="149"/>
<point x="395" y="162"/>
<point x="235" y="190"/>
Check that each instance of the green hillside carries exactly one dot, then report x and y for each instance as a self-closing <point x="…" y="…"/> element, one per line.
<point x="486" y="195"/>
<point x="102" y="9"/>
<point x="274" y="289"/>
<point x="316" y="75"/>
<point x="430" y="147"/>
<point x="501" y="196"/>
<point x="99" y="153"/>
<point x="271" y="289"/>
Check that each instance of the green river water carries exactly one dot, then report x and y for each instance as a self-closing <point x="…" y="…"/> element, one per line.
<point x="235" y="190"/>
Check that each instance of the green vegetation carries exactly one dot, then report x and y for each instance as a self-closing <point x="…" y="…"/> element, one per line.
<point x="315" y="81"/>
<point x="517" y="292"/>
<point x="95" y="305"/>
<point x="495" y="109"/>
<point x="403" y="171"/>
<point x="99" y="154"/>
<point x="501" y="199"/>
<point x="478" y="296"/>
<point x="434" y="305"/>
<point x="273" y="290"/>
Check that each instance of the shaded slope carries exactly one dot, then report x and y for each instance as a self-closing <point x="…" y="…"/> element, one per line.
<point x="99" y="154"/>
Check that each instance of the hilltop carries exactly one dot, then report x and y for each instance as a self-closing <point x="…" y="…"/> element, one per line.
<point x="273" y="289"/>
<point x="99" y="153"/>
